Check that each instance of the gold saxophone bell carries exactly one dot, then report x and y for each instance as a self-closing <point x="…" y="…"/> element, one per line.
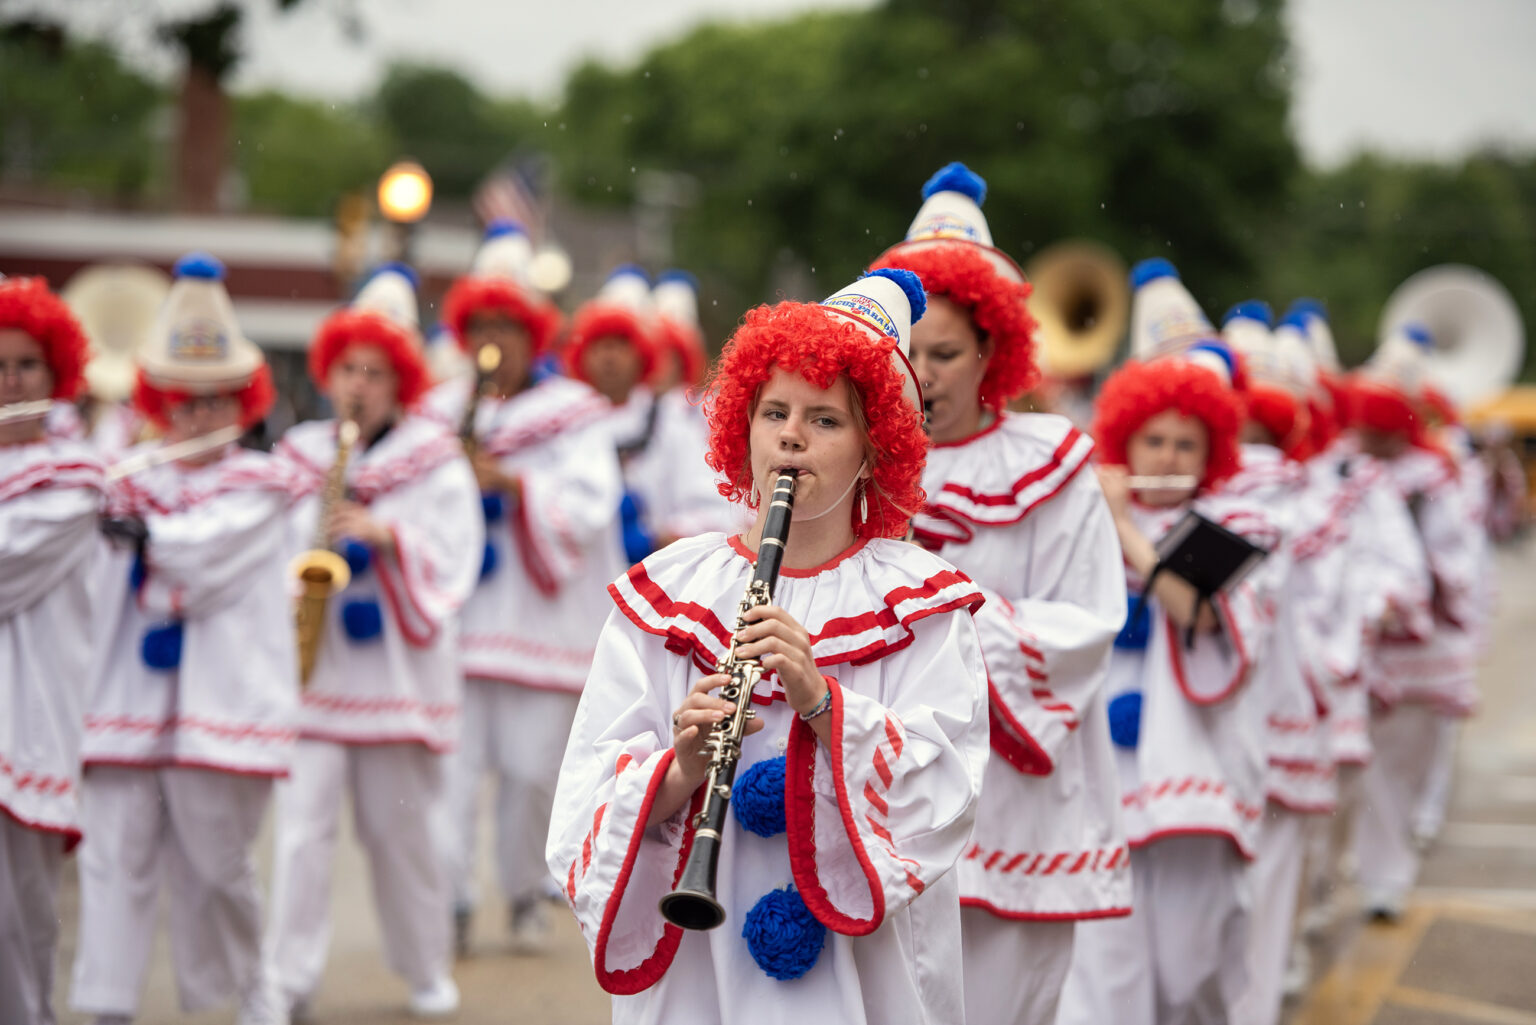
<point x="320" y="572"/>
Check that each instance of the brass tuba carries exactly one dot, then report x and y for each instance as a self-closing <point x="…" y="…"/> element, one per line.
<point x="1476" y="326"/>
<point x="321" y="572"/>
<point x="1082" y="302"/>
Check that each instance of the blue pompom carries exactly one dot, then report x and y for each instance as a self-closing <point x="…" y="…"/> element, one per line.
<point x="362" y="619"/>
<point x="782" y="935"/>
<point x="1219" y="349"/>
<point x="1125" y="719"/>
<point x="1419" y="335"/>
<point x="488" y="561"/>
<point x="630" y="268"/>
<point x="1251" y="309"/>
<point x="203" y="266"/>
<point x="757" y="799"/>
<point x="1151" y="270"/>
<point x="1308" y="308"/>
<point x="405" y="270"/>
<point x="678" y="275"/>
<point x="956" y="177"/>
<point x="161" y="648"/>
<point x="1133" y="636"/>
<point x="503" y="226"/>
<point x="1295" y="318"/>
<point x="911" y="284"/>
<point x="137" y="573"/>
<point x="358" y="555"/>
<point x="493" y="505"/>
<point x="638" y="542"/>
<point x="545" y="367"/>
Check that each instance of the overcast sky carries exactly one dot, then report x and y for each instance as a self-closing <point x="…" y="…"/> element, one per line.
<point x="1426" y="78"/>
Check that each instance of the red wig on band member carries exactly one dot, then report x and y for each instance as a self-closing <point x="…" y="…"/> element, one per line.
<point x="820" y="346"/>
<point x="1322" y="425"/>
<point x="1139" y="391"/>
<point x="347" y="327"/>
<point x="471" y="294"/>
<point x="997" y="307"/>
<point x="599" y="320"/>
<point x="155" y="403"/>
<point x="1278" y="412"/>
<point x="1439" y="407"/>
<point x="687" y="344"/>
<point x="28" y="306"/>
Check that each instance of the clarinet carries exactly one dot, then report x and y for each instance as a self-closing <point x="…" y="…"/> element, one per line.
<point x="692" y="904"/>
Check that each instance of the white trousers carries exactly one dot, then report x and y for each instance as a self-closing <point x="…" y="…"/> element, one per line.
<point x="1180" y="957"/>
<point x="1013" y="970"/>
<point x="1429" y="816"/>
<point x="30" y="860"/>
<point x="396" y="792"/>
<point x="190" y="831"/>
<point x="1391" y="787"/>
<point x="518" y="735"/>
<point x="1274" y="878"/>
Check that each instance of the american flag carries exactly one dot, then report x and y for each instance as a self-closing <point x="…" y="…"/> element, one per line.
<point x="511" y="193"/>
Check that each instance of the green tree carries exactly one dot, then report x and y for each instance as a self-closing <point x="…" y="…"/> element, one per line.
<point x="299" y="156"/>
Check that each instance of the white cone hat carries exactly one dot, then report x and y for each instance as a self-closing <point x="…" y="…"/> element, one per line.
<point x="197" y="346"/>
<point x="886" y="303"/>
<point x="1165" y="318"/>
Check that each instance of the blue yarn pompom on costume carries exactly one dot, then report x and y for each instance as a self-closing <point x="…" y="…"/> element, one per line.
<point x="782" y="935"/>
<point x="488" y="561"/>
<point x="161" y="648"/>
<point x="137" y="573"/>
<point x="362" y="619"/>
<point x="956" y="177"/>
<point x="1125" y="719"/>
<point x="358" y="555"/>
<point x="758" y="797"/>
<point x="202" y="266"/>
<point x="1251" y="309"/>
<point x="638" y="542"/>
<point x="1134" y="634"/>
<point x="911" y="284"/>
<point x="1151" y="270"/>
<point x="493" y="506"/>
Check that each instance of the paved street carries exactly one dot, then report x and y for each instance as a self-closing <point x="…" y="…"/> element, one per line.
<point x="1464" y="954"/>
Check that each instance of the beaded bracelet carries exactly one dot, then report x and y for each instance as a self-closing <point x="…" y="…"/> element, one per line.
<point x="821" y="706"/>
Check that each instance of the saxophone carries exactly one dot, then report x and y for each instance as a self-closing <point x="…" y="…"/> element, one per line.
<point x="487" y="360"/>
<point x="321" y="572"/>
<point x="692" y="903"/>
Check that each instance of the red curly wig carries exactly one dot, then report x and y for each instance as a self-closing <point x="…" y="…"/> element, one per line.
<point x="821" y="347"/>
<point x="256" y="397"/>
<point x="471" y="294"/>
<point x="27" y="305"/>
<point x="998" y="308"/>
<point x="1439" y="408"/>
<point x="1323" y="426"/>
<point x="1139" y="391"/>
<point x="600" y="319"/>
<point x="687" y="344"/>
<point x="1278" y="412"/>
<point x="350" y="327"/>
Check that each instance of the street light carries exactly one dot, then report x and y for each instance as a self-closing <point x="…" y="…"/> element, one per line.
<point x="405" y="196"/>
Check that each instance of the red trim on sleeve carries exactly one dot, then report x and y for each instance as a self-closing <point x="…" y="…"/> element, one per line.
<point x="414" y="637"/>
<point x="1012" y="741"/>
<point x="526" y="544"/>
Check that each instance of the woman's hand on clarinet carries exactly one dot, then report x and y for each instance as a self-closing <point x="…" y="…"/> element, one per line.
<point x="780" y="643"/>
<point x="691" y="724"/>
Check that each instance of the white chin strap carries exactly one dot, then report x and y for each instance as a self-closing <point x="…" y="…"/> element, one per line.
<point x="836" y="501"/>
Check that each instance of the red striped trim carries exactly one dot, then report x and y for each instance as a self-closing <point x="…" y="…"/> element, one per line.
<point x="1042" y="916"/>
<point x="345" y="705"/>
<point x="71" y="835"/>
<point x="50" y="475"/>
<point x="43" y="783"/>
<point x="1037" y="474"/>
<point x="222" y="730"/>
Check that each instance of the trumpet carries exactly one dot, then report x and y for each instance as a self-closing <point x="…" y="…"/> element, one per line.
<point x="322" y="573"/>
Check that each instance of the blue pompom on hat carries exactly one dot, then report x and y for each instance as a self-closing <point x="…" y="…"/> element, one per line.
<point x="757" y="798"/>
<point x="1217" y="356"/>
<point x="161" y="647"/>
<point x="911" y="287"/>
<point x="204" y="266"/>
<point x="1133" y="636"/>
<point x="956" y="177"/>
<point x="489" y="561"/>
<point x="1125" y="719"/>
<point x="405" y="270"/>
<point x="1151" y="270"/>
<point x="633" y="269"/>
<point x="782" y="935"/>
<point x="1251" y="309"/>
<point x="501" y="227"/>
<point x="678" y="275"/>
<point x="493" y="506"/>
<point x="1305" y="307"/>
<point x="362" y="619"/>
<point x="358" y="555"/>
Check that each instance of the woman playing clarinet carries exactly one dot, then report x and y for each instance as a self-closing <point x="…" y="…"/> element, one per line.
<point x="858" y="773"/>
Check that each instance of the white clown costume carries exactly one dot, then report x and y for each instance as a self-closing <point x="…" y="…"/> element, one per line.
<point x="382" y="706"/>
<point x="527" y="633"/>
<point x="50" y="498"/>
<point x="182" y="740"/>
<point x="1017" y="507"/>
<point x="853" y="910"/>
<point x="1186" y="721"/>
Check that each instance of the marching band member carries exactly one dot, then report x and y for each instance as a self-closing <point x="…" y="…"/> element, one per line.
<point x="1418" y="677"/>
<point x="382" y="705"/>
<point x="50" y="494"/>
<point x="859" y="774"/>
<point x="613" y="346"/>
<point x="193" y="694"/>
<point x="1009" y="505"/>
<point x="1185" y="722"/>
<point x="550" y="488"/>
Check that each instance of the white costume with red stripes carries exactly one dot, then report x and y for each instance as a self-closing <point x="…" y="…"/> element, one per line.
<point x="874" y="824"/>
<point x="377" y="714"/>
<point x="662" y="443"/>
<point x="1196" y="778"/>
<point x="1018" y="508"/>
<point x="50" y="495"/>
<point x="528" y="632"/>
<point x="179" y="761"/>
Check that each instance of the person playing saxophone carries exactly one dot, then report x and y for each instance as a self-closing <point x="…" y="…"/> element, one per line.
<point x="382" y="705"/>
